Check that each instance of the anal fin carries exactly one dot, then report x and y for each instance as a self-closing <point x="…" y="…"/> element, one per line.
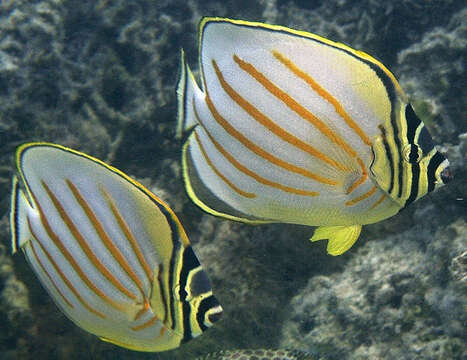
<point x="340" y="238"/>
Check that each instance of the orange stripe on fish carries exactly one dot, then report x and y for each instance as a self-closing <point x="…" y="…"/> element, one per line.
<point x="362" y="178"/>
<point x="218" y="173"/>
<point x="163" y="292"/>
<point x="85" y="247"/>
<point x="128" y="234"/>
<point x="379" y="201"/>
<point x="261" y="152"/>
<point x="55" y="265"/>
<point x="209" y="162"/>
<point x="31" y="245"/>
<point x="361" y="197"/>
<point x="294" y="105"/>
<point x="247" y="171"/>
<point x="145" y="308"/>
<point x="116" y="253"/>
<point x="67" y="254"/>
<point x="271" y="125"/>
<point x="357" y="183"/>
<point x="145" y="325"/>
<point x="324" y="94"/>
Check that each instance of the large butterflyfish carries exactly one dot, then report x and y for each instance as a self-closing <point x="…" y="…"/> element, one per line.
<point x="291" y="127"/>
<point x="112" y="255"/>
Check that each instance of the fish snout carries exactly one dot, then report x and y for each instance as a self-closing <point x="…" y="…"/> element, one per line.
<point x="446" y="175"/>
<point x="216" y="316"/>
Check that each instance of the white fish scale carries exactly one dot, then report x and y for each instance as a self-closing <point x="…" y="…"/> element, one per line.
<point x="257" y="163"/>
<point x="93" y="193"/>
<point x="121" y="321"/>
<point x="84" y="226"/>
<point x="44" y="278"/>
<point x="79" y="314"/>
<point x="324" y="64"/>
<point x="95" y="277"/>
<point x="272" y="203"/>
<point x="283" y="116"/>
<point x="329" y="67"/>
<point x="277" y="112"/>
<point x="216" y="184"/>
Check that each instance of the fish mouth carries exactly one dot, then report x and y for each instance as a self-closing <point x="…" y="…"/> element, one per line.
<point x="215" y="316"/>
<point x="446" y="175"/>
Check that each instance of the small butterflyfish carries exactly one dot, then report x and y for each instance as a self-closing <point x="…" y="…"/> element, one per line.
<point x="112" y="255"/>
<point x="290" y="127"/>
<point x="259" y="354"/>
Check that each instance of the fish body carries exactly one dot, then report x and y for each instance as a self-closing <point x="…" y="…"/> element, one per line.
<point x="258" y="354"/>
<point x="113" y="256"/>
<point x="290" y="127"/>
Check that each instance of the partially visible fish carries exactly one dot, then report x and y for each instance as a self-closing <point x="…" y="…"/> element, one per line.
<point x="113" y="256"/>
<point x="259" y="354"/>
<point x="291" y="127"/>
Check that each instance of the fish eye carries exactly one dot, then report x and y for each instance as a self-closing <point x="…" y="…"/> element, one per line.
<point x="412" y="153"/>
<point x="200" y="284"/>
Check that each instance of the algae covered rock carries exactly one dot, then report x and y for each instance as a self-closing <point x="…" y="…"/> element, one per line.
<point x="458" y="269"/>
<point x="433" y="74"/>
<point x="16" y="318"/>
<point x="393" y="299"/>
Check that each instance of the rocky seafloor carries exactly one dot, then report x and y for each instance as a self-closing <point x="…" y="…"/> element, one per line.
<point x="99" y="76"/>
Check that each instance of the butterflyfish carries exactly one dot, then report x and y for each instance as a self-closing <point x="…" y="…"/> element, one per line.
<point x="288" y="126"/>
<point x="112" y="255"/>
<point x="259" y="354"/>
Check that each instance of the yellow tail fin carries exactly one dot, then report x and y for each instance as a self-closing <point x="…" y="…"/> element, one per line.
<point x="341" y="238"/>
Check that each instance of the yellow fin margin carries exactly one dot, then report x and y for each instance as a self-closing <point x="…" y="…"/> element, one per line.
<point x="341" y="238"/>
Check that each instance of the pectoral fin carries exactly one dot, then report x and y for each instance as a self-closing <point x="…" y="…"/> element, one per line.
<point x="341" y="238"/>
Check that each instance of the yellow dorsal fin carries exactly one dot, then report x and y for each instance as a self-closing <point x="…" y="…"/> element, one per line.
<point x="341" y="238"/>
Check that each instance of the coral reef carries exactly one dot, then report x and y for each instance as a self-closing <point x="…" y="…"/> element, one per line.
<point x="382" y="28"/>
<point x="15" y="310"/>
<point x="396" y="299"/>
<point x="433" y="73"/>
<point x="99" y="76"/>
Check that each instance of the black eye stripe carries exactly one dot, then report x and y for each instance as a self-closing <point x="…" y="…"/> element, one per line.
<point x="424" y="141"/>
<point x="414" y="155"/>
<point x="200" y="283"/>
<point x="412" y="123"/>
<point x="414" y="187"/>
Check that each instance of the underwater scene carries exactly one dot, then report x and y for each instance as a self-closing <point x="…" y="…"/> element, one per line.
<point x="219" y="180"/>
